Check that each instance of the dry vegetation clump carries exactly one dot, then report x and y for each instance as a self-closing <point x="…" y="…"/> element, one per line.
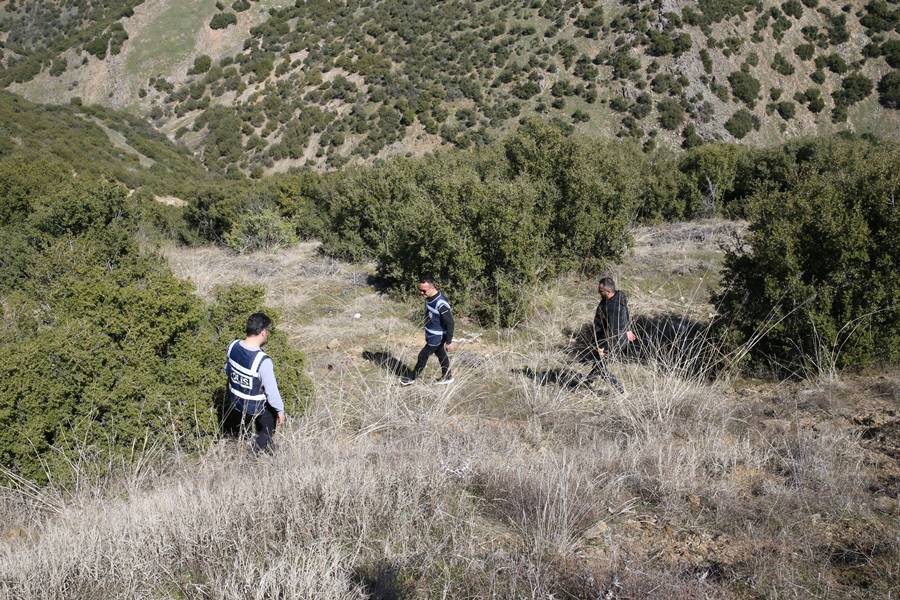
<point x="384" y="492"/>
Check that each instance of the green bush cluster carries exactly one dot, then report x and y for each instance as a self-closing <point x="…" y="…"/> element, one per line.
<point x="889" y="89"/>
<point x="745" y="87"/>
<point x="260" y="230"/>
<point x="70" y="134"/>
<point x="741" y="123"/>
<point x="106" y="347"/>
<point x="819" y="271"/>
<point x="487" y="223"/>
<point x="222" y="20"/>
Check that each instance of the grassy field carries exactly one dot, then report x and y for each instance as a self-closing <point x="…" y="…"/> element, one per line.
<point x="518" y="481"/>
<point x="169" y="38"/>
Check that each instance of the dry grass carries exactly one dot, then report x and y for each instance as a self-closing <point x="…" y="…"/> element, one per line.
<point x="516" y="482"/>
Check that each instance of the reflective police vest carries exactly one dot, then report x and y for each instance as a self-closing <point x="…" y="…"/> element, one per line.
<point x="434" y="330"/>
<point x="244" y="383"/>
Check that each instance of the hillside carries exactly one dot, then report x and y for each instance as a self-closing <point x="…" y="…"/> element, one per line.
<point x="270" y="84"/>
<point x="97" y="141"/>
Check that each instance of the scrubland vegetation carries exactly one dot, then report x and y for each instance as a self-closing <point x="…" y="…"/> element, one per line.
<point x="517" y="482"/>
<point x="321" y="84"/>
<point x="754" y="454"/>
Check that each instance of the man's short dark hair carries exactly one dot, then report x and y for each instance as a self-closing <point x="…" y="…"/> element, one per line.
<point x="257" y="322"/>
<point x="427" y="279"/>
<point x="607" y="283"/>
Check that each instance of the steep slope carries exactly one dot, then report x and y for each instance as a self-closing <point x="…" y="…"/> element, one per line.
<point x="272" y="84"/>
<point x="97" y="141"/>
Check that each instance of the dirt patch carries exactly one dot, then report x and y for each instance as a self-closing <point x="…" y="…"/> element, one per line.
<point x="171" y="201"/>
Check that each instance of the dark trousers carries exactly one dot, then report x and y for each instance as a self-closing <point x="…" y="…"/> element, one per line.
<point x="440" y="352"/>
<point x="263" y="425"/>
<point x="601" y="370"/>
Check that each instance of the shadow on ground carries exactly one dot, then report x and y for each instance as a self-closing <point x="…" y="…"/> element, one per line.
<point x="563" y="377"/>
<point x="672" y="341"/>
<point x="383" y="580"/>
<point x="388" y="362"/>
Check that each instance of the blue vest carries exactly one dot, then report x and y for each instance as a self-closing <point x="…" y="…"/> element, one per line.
<point x="245" y="389"/>
<point x="434" y="331"/>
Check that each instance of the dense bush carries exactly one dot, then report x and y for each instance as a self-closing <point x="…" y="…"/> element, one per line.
<point x="890" y="49"/>
<point x="260" y="230"/>
<point x="741" y="123"/>
<point x="671" y="115"/>
<point x="889" y="89"/>
<point x="745" y="87"/>
<point x="804" y="51"/>
<point x="111" y="349"/>
<point x="222" y="20"/>
<point x="854" y="88"/>
<point x="819" y="271"/>
<point x="202" y="64"/>
<point x="488" y="223"/>
<point x="812" y="97"/>
<point x="781" y="65"/>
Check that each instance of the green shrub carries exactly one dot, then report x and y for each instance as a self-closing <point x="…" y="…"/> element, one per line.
<point x="706" y="60"/>
<point x="804" y="51"/>
<point x="745" y="87"/>
<point x="661" y="43"/>
<point x="889" y="90"/>
<point x="833" y="62"/>
<point x="689" y="137"/>
<point x="58" y="67"/>
<point x="740" y="123"/>
<point x="260" y="230"/>
<point x="854" y="88"/>
<point x="526" y="90"/>
<point x="98" y="46"/>
<point x="624" y="64"/>
<point x="890" y="49"/>
<point x="201" y="65"/>
<point x="812" y="97"/>
<point x="786" y="110"/>
<point x="709" y="173"/>
<point x="818" y="274"/>
<point x="781" y="65"/>
<point x="716" y="10"/>
<point x="222" y="20"/>
<point x="488" y="222"/>
<point x="880" y="16"/>
<point x="579" y="116"/>
<point x="118" y="351"/>
<point x="792" y="8"/>
<point x="671" y="114"/>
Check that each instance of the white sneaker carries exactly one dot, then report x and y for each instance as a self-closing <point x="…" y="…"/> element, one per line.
<point x="406" y="381"/>
<point x="444" y="380"/>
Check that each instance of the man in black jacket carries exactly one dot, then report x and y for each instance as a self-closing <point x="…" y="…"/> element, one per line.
<point x="438" y="333"/>
<point x="612" y="331"/>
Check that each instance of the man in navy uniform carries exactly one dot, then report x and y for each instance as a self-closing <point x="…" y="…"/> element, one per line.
<point x="252" y="390"/>
<point x="612" y="331"/>
<point x="438" y="332"/>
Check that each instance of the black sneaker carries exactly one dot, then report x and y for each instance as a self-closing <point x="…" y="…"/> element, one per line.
<point x="407" y="381"/>
<point x="445" y="380"/>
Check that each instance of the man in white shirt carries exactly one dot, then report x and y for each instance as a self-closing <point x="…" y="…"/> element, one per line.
<point x="252" y="389"/>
